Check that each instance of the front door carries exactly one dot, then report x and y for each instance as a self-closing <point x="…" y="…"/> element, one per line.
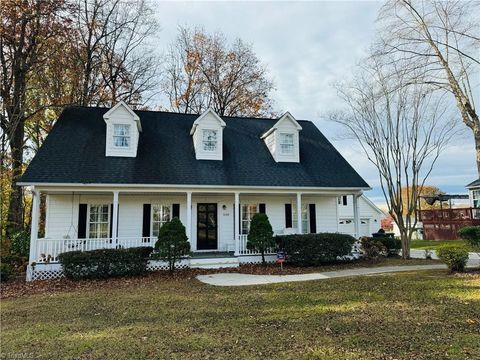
<point x="207" y="227"/>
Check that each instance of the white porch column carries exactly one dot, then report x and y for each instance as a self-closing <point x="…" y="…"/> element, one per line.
<point x="356" y="217"/>
<point x="115" y="218"/>
<point x="33" y="231"/>
<point x="189" y="216"/>
<point x="236" y="211"/>
<point x="299" y="213"/>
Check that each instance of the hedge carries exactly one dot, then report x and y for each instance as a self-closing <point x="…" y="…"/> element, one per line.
<point x="315" y="249"/>
<point x="392" y="245"/>
<point x="104" y="263"/>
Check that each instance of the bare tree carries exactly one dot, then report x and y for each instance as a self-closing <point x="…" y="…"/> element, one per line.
<point x="402" y="129"/>
<point x="111" y="48"/>
<point x="441" y="41"/>
<point x="205" y="71"/>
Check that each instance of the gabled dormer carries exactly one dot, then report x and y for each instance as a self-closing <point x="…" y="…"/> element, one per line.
<point x="283" y="139"/>
<point x="207" y="135"/>
<point x="123" y="131"/>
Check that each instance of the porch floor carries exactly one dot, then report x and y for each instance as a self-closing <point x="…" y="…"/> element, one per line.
<point x="213" y="254"/>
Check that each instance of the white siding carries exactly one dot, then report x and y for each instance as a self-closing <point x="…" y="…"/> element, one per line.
<point x="62" y="213"/>
<point x="370" y="215"/>
<point x="286" y="125"/>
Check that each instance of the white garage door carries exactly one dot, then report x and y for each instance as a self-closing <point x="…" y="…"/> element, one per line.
<point x="347" y="226"/>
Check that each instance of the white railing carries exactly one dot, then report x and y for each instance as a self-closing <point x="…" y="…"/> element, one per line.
<point x="49" y="249"/>
<point x="243" y="247"/>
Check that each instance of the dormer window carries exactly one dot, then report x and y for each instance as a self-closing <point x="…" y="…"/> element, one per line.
<point x="207" y="136"/>
<point x="286" y="144"/>
<point x="121" y="135"/>
<point x="283" y="139"/>
<point x="209" y="140"/>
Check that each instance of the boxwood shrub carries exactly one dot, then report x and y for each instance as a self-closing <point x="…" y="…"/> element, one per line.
<point x="315" y="249"/>
<point x="454" y="256"/>
<point x="104" y="263"/>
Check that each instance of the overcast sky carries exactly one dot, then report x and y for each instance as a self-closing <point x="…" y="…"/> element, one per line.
<point x="307" y="46"/>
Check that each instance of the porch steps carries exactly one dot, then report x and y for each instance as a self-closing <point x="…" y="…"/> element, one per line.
<point x="214" y="262"/>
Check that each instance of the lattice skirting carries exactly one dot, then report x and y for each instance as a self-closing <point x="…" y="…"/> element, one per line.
<point x="54" y="271"/>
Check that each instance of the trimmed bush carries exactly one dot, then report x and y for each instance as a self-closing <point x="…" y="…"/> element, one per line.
<point x="455" y="256"/>
<point x="470" y="234"/>
<point x="21" y="244"/>
<point x="392" y="245"/>
<point x="260" y="236"/>
<point x="315" y="249"/>
<point x="6" y="272"/>
<point x="172" y="243"/>
<point x="373" y="248"/>
<point x="104" y="263"/>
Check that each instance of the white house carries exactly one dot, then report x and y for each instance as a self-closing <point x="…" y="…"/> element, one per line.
<point x="112" y="177"/>
<point x="370" y="215"/>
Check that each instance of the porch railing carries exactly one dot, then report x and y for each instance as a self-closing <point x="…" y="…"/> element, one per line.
<point x="243" y="247"/>
<point x="49" y="249"/>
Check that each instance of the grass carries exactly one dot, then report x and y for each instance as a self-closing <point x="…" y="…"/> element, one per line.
<point x="433" y="244"/>
<point x="421" y="315"/>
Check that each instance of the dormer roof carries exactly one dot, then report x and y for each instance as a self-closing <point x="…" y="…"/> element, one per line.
<point x="121" y="103"/>
<point x="285" y="117"/>
<point x="199" y="119"/>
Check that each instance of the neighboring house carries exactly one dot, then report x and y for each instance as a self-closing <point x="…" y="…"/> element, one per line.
<point x="370" y="215"/>
<point x="113" y="177"/>
<point x="443" y="223"/>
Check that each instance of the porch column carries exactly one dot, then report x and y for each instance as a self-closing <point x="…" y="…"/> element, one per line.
<point x="115" y="218"/>
<point x="236" y="211"/>
<point x="356" y="218"/>
<point x="299" y="213"/>
<point x="33" y="231"/>
<point x="189" y="216"/>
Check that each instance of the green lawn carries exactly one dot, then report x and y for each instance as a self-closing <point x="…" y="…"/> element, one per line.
<point x="433" y="244"/>
<point x="423" y="315"/>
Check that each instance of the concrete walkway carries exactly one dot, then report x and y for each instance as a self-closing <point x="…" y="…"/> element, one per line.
<point x="236" y="279"/>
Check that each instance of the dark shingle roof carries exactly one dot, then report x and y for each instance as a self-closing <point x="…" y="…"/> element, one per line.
<point x="474" y="184"/>
<point x="74" y="152"/>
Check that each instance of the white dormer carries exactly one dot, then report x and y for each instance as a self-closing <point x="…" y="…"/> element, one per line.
<point x="207" y="134"/>
<point x="123" y="130"/>
<point x="283" y="139"/>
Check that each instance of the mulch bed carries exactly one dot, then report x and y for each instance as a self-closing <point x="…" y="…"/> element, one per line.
<point x="18" y="287"/>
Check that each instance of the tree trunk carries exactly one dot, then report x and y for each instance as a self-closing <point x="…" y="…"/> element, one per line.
<point x="405" y="239"/>
<point x="476" y="134"/>
<point x="15" y="207"/>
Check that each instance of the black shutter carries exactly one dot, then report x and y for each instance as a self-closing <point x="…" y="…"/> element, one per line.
<point x="344" y="200"/>
<point x="288" y="215"/>
<point x="147" y="208"/>
<point x="82" y="221"/>
<point x="176" y="211"/>
<point x="239" y="218"/>
<point x="111" y="221"/>
<point x="262" y="208"/>
<point x="313" y="218"/>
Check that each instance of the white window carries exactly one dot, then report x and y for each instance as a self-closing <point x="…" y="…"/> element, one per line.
<point x="160" y="215"/>
<point x="99" y="220"/>
<point x="305" y="218"/>
<point x="121" y="135"/>
<point x="210" y="140"/>
<point x="286" y="143"/>
<point x="248" y="211"/>
<point x="476" y="198"/>
<point x="342" y="200"/>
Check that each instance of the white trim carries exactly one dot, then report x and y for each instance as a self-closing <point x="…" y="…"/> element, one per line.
<point x="193" y="187"/>
<point x="281" y="119"/>
<point x="107" y="115"/>
<point x="98" y="202"/>
<point x="208" y="111"/>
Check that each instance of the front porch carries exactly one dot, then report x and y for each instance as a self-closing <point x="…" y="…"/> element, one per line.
<point x="216" y="221"/>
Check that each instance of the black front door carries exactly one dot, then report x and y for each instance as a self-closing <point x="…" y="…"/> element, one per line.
<point x="207" y="227"/>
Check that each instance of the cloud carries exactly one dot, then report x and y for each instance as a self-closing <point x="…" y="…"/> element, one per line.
<point x="307" y="47"/>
